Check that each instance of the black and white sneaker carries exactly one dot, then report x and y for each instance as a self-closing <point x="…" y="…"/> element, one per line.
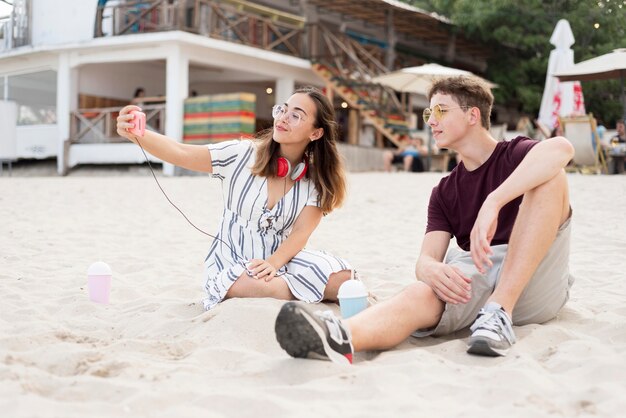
<point x="304" y="333"/>
<point x="492" y="332"/>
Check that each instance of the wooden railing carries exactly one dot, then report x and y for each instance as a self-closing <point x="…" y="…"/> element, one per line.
<point x="15" y="29"/>
<point x="234" y="23"/>
<point x="231" y="20"/>
<point x="344" y="53"/>
<point x="142" y="16"/>
<point x="353" y="68"/>
<point x="99" y="125"/>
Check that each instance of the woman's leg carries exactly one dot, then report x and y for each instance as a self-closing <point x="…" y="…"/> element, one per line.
<point x="247" y="287"/>
<point x="334" y="281"/>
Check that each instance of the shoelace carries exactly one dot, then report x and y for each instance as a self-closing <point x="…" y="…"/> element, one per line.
<point x="497" y="322"/>
<point x="333" y="325"/>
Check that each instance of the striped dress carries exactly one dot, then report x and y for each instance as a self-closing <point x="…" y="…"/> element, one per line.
<point x="251" y="230"/>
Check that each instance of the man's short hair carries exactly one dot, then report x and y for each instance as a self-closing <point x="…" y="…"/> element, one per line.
<point x="467" y="91"/>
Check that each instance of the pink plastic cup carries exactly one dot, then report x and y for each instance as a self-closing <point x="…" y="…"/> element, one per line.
<point x="99" y="282"/>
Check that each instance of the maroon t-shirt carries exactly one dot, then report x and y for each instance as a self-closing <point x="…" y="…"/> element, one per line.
<point x="455" y="202"/>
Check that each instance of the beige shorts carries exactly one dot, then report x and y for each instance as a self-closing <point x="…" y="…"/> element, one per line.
<point x="545" y="295"/>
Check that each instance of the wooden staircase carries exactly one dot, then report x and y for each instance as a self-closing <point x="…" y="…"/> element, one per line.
<point x="347" y="67"/>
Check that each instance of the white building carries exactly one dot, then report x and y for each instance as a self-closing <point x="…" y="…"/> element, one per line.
<point x="52" y="66"/>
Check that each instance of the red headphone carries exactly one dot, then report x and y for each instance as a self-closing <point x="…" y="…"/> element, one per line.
<point x="284" y="169"/>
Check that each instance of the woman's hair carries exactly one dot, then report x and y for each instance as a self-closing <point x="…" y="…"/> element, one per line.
<point x="325" y="164"/>
<point x="467" y="91"/>
<point x="138" y="91"/>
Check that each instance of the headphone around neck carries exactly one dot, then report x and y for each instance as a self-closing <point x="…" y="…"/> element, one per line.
<point x="297" y="173"/>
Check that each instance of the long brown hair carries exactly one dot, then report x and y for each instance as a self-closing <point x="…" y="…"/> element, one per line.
<point x="325" y="164"/>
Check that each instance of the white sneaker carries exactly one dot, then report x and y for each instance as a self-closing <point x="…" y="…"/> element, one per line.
<point x="492" y="332"/>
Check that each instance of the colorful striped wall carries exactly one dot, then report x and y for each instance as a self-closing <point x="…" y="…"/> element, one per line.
<point x="219" y="117"/>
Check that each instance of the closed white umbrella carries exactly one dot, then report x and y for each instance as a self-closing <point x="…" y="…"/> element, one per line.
<point x="604" y="67"/>
<point x="560" y="98"/>
<point x="418" y="79"/>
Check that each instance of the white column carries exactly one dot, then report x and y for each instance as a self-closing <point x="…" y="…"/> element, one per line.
<point x="176" y="90"/>
<point x="284" y="89"/>
<point x="67" y="100"/>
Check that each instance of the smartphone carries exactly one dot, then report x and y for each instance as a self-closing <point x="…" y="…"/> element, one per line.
<point x="140" y="123"/>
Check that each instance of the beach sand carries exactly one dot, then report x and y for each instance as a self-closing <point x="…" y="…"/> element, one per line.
<point x="153" y="351"/>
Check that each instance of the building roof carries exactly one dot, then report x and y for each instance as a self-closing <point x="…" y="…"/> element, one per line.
<point x="408" y="20"/>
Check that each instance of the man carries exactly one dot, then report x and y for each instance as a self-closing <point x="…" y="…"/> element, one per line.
<point x="621" y="133"/>
<point x="616" y="152"/>
<point x="507" y="204"/>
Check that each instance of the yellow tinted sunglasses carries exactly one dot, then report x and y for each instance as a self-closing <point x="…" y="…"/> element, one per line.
<point x="439" y="112"/>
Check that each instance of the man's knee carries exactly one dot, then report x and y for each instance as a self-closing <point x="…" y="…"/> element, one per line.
<point x="421" y="295"/>
<point x="556" y="190"/>
<point x="556" y="186"/>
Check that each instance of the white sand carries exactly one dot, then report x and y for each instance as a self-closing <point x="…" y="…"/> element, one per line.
<point x="154" y="352"/>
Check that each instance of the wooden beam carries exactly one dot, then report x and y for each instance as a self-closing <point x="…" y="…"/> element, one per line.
<point x="353" y="127"/>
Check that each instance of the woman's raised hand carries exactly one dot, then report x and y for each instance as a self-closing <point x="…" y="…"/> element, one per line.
<point x="125" y="122"/>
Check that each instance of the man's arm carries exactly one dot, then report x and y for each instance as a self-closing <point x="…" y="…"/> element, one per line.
<point x="544" y="161"/>
<point x="449" y="283"/>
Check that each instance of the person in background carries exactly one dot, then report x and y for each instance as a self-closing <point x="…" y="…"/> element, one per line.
<point x="601" y="129"/>
<point x="617" y="149"/>
<point x="408" y="154"/>
<point x="620" y="136"/>
<point x="526" y="127"/>
<point x="140" y="93"/>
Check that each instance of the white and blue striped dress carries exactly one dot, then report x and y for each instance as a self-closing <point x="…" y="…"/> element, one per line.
<point x="251" y="230"/>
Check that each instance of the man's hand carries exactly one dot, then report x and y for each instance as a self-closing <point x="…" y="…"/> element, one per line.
<point x="448" y="282"/>
<point x="482" y="233"/>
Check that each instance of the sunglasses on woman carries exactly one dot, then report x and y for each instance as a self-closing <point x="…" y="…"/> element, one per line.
<point x="439" y="112"/>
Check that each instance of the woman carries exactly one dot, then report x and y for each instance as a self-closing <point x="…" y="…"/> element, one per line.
<point x="276" y="189"/>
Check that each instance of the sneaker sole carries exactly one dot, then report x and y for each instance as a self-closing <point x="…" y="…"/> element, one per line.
<point x="482" y="348"/>
<point x="299" y="334"/>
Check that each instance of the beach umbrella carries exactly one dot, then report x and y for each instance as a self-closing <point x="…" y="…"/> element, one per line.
<point x="604" y="67"/>
<point x="418" y="79"/>
<point x="560" y="98"/>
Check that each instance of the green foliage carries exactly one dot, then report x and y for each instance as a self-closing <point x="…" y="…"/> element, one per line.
<point x="519" y="32"/>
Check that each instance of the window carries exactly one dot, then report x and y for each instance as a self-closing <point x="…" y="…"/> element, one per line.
<point x="36" y="97"/>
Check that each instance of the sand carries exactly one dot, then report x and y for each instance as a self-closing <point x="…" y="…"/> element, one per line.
<point x="154" y="352"/>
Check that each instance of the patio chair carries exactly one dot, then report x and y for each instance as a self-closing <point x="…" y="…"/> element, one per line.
<point x="581" y="132"/>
